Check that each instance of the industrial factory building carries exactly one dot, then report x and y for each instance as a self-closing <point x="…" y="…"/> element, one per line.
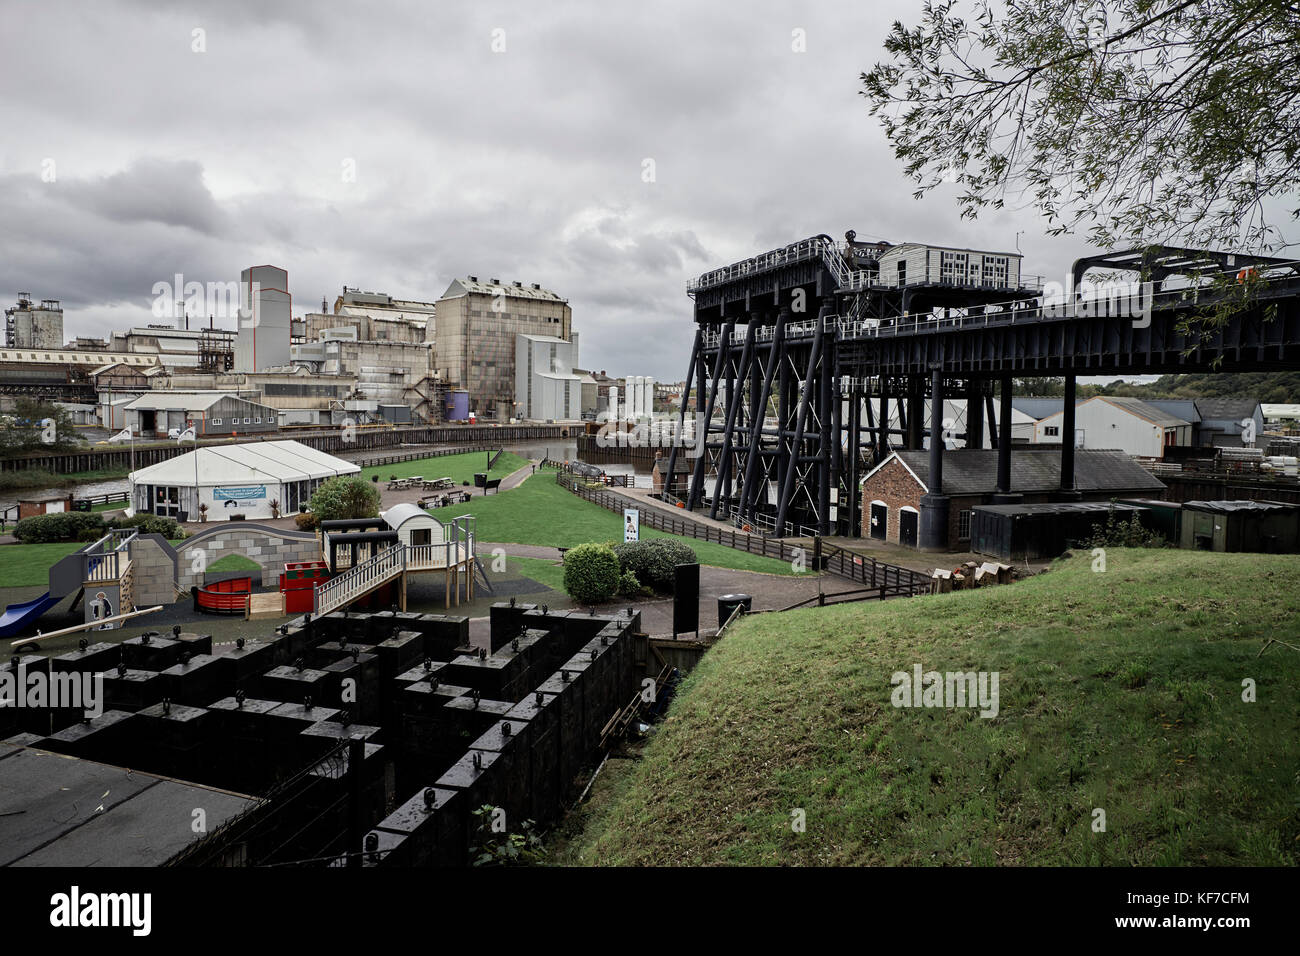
<point x="474" y="341"/>
<point x="546" y="388"/>
<point x="235" y="480"/>
<point x="29" y="325"/>
<point x="165" y="412"/>
<point x="265" y="328"/>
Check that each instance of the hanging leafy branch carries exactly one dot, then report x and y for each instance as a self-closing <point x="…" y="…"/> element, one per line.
<point x="1133" y="121"/>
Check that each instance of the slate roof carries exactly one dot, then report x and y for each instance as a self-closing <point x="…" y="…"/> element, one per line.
<point x="1151" y="413"/>
<point x="974" y="471"/>
<point x="1226" y="408"/>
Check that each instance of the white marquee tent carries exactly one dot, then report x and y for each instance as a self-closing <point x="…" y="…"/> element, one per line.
<point x="235" y="479"/>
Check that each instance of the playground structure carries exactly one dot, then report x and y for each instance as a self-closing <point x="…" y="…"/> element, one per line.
<point x="230" y="596"/>
<point x="366" y="555"/>
<point x="101" y="572"/>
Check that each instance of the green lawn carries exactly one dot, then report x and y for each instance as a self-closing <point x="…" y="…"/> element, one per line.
<point x="540" y="570"/>
<point x="458" y="468"/>
<point x="541" y="512"/>
<point x="1120" y="691"/>
<point x="234" y="562"/>
<point x="28" y="565"/>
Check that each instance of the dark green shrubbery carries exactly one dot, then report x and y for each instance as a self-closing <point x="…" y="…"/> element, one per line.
<point x="628" y="585"/>
<point x="591" y="573"/>
<point x="151" y="524"/>
<point x="67" y="526"/>
<point x="653" y="560"/>
<point x="89" y="526"/>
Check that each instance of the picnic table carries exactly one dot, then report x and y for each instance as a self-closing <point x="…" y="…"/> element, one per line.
<point x="439" y="484"/>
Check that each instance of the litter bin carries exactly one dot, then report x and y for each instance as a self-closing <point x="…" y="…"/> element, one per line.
<point x="728" y="603"/>
<point x="80" y="504"/>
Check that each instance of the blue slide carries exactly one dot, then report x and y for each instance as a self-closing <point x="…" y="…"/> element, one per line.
<point x="16" y="617"/>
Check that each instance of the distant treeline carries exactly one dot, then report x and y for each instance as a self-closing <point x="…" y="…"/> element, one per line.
<point x="1266" y="387"/>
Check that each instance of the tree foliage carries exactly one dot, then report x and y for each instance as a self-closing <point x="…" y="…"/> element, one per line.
<point x="36" y="426"/>
<point x="347" y="496"/>
<point x="1135" y="121"/>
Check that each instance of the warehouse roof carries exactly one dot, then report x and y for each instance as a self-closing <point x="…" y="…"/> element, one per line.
<point x="516" y="290"/>
<point x="254" y="462"/>
<point x="1133" y="406"/>
<point x="974" y="471"/>
<point x="1236" y="507"/>
<point x="1235" y="408"/>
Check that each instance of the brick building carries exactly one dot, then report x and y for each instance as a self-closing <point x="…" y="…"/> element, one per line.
<point x="891" y="493"/>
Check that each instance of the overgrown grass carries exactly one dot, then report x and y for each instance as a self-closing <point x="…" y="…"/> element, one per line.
<point x="541" y="512"/>
<point x="458" y="468"/>
<point x="1120" y="691"/>
<point x="28" y="565"/>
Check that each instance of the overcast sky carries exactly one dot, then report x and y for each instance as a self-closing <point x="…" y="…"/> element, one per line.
<point x="523" y="164"/>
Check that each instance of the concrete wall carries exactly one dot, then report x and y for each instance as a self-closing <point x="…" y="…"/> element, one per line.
<point x="272" y="548"/>
<point x="154" y="563"/>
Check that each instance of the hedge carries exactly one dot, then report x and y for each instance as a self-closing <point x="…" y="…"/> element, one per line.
<point x="653" y="560"/>
<point x="591" y="573"/>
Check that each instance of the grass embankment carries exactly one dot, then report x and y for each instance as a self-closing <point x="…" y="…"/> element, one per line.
<point x="540" y="512"/>
<point x="1120" y="691"/>
<point x="458" y="468"/>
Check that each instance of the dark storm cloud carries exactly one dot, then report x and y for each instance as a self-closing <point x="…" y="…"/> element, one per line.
<point x="527" y="164"/>
<point x="149" y="191"/>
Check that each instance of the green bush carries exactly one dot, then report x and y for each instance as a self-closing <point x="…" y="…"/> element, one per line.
<point x="151" y="524"/>
<point x="628" y="585"/>
<point x="653" y="560"/>
<point x="305" y="520"/>
<point x="347" y="496"/>
<point x="591" y="573"/>
<point x="67" y="526"/>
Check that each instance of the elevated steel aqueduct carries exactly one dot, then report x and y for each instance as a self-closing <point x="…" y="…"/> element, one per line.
<point x="790" y="345"/>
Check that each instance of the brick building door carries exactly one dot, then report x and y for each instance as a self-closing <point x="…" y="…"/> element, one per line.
<point x="907" y="523"/>
<point x="879" y="520"/>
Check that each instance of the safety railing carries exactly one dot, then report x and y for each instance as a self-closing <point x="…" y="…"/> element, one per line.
<point x="357" y="581"/>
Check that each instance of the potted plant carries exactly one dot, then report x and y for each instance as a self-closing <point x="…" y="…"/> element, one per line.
<point x="203" y="512"/>
<point x="275" y="507"/>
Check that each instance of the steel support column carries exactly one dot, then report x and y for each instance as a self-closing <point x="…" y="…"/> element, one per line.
<point x="789" y="474"/>
<point x="702" y="463"/>
<point x="723" y="486"/>
<point x="681" y="419"/>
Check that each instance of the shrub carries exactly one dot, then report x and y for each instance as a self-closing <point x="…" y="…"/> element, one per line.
<point x="347" y="496"/>
<point x="591" y="573"/>
<point x="151" y="524"/>
<point x="305" y="520"/>
<point x="653" y="560"/>
<point x="67" y="526"/>
<point x="628" y="585"/>
<point x="1118" y="533"/>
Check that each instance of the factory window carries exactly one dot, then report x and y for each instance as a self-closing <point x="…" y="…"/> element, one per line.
<point x="963" y="525"/>
<point x="216" y="421"/>
<point x="257" y="420"/>
<point x="247" y="422"/>
<point x="1051" y="431"/>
